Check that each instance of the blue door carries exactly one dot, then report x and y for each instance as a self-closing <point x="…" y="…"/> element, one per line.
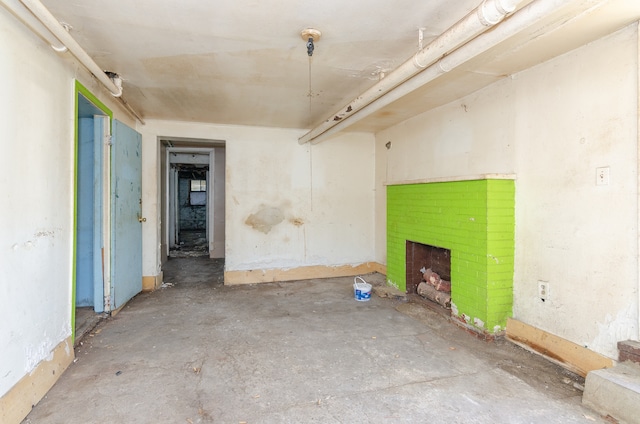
<point x="126" y="219"/>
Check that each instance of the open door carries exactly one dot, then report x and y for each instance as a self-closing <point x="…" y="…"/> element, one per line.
<point x="91" y="206"/>
<point x="126" y="218"/>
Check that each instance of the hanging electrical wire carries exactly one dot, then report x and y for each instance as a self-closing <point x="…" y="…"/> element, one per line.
<point x="311" y="36"/>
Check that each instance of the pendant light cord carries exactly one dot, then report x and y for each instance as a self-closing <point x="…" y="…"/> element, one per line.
<point x="310" y="95"/>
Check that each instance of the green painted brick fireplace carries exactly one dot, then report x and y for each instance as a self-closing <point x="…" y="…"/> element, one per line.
<point x="475" y="220"/>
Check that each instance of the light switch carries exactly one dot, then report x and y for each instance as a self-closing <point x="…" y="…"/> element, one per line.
<point x="602" y="175"/>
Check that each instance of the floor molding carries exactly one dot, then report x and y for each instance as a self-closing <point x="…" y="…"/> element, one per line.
<point x="570" y="355"/>
<point x="16" y="404"/>
<point x="151" y="283"/>
<point x="300" y="273"/>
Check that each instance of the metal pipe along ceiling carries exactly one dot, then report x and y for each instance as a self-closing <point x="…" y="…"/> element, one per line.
<point x="486" y="15"/>
<point x="37" y="17"/>
<point x="22" y="13"/>
<point x="522" y="19"/>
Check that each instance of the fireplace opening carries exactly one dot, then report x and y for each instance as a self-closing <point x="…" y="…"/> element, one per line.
<point x="429" y="272"/>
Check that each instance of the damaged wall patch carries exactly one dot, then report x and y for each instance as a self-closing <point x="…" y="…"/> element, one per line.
<point x="265" y="219"/>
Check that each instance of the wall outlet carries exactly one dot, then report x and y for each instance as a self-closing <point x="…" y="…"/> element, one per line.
<point x="543" y="290"/>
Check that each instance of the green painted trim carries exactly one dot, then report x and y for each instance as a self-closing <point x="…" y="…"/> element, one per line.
<point x="93" y="99"/>
<point x="79" y="90"/>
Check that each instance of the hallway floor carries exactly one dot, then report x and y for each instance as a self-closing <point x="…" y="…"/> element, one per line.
<point x="198" y="352"/>
<point x="193" y="244"/>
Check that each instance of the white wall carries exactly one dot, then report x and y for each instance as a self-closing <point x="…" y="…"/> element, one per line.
<point x="36" y="193"/>
<point x="324" y="194"/>
<point x="36" y="171"/>
<point x="552" y="125"/>
<point x="579" y="112"/>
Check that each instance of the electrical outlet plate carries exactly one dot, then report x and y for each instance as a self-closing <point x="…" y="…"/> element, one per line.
<point x="602" y="175"/>
<point x="543" y="290"/>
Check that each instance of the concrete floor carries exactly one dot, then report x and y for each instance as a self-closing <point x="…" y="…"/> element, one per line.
<point x="193" y="244"/>
<point x="86" y="321"/>
<point x="300" y="352"/>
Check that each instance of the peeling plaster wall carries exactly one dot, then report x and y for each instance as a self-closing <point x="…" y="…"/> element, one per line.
<point x="287" y="205"/>
<point x="36" y="193"/>
<point x="551" y="125"/>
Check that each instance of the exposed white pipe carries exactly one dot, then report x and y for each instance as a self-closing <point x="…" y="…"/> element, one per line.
<point x="522" y="19"/>
<point x="486" y="15"/>
<point x="129" y="109"/>
<point x="52" y="24"/>
<point x="35" y="15"/>
<point x="22" y="13"/>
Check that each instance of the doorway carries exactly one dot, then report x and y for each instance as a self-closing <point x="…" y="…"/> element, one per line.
<point x="193" y="196"/>
<point x="93" y="127"/>
<point x="107" y="256"/>
<point x="189" y="175"/>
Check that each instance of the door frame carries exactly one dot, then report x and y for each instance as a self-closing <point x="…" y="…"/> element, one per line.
<point x="80" y="89"/>
<point x="219" y="146"/>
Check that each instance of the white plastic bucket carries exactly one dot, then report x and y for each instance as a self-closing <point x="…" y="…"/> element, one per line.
<point x="361" y="290"/>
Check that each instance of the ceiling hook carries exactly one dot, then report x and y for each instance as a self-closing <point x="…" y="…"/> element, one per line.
<point x="311" y="36"/>
<point x="310" y="46"/>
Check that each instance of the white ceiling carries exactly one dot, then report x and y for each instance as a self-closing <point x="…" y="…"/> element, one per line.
<point x="244" y="62"/>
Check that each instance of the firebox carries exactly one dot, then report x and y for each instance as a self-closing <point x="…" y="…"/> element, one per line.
<point x="424" y="256"/>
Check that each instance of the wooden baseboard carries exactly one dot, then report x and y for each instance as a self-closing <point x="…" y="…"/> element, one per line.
<point x="570" y="355"/>
<point x="16" y="404"/>
<point x="151" y="283"/>
<point x="378" y="267"/>
<point x="300" y="273"/>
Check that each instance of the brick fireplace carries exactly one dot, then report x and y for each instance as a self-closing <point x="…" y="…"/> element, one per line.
<point x="472" y="219"/>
